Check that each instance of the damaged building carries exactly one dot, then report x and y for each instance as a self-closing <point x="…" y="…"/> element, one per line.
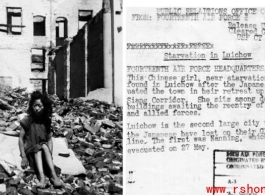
<point x="68" y="48"/>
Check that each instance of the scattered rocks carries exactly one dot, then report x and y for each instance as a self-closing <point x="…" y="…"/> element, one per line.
<point x="93" y="130"/>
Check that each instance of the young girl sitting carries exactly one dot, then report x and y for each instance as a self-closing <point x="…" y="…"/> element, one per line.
<point x="35" y="140"/>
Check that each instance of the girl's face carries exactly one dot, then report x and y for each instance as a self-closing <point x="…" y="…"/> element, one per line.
<point x="38" y="107"/>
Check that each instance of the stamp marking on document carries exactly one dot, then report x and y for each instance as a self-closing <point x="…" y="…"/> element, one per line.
<point x="240" y="171"/>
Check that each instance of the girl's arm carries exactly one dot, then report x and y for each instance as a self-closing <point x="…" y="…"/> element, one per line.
<point x="24" y="162"/>
<point x="49" y="142"/>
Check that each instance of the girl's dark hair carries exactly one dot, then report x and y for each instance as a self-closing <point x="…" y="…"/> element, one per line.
<point x="47" y="106"/>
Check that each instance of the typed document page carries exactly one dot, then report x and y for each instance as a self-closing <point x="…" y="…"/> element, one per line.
<point x="195" y="100"/>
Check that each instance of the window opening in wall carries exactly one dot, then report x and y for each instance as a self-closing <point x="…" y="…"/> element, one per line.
<point x="39" y="26"/>
<point x="61" y="30"/>
<point x="61" y="27"/>
<point x="14" y="21"/>
<point x="37" y="59"/>
<point x="83" y="17"/>
<point x="39" y="84"/>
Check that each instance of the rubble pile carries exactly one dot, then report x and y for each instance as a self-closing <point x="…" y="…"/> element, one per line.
<point x="93" y="130"/>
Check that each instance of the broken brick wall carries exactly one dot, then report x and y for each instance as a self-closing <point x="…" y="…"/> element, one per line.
<point x="78" y="64"/>
<point x="95" y="53"/>
<point x="59" y="68"/>
<point x="15" y="50"/>
<point x="69" y="10"/>
<point x="86" y="59"/>
<point x="5" y="84"/>
<point x="118" y="68"/>
<point x="52" y="76"/>
<point x="82" y="63"/>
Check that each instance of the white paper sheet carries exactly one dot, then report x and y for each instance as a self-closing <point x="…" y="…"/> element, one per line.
<point x="195" y="100"/>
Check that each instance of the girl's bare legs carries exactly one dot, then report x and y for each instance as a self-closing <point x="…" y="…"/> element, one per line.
<point x="39" y="164"/>
<point x="48" y="158"/>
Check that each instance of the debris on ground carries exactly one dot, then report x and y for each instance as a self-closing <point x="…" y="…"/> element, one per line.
<point x="93" y="130"/>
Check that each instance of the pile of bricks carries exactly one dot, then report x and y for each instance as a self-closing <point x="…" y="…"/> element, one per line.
<point x="93" y="130"/>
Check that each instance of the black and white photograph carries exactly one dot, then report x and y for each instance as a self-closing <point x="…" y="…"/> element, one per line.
<point x="61" y="97"/>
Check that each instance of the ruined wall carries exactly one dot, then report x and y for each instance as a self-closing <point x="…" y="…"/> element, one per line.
<point x="52" y="75"/>
<point x="118" y="57"/>
<point x="78" y="64"/>
<point x="19" y="67"/>
<point x="59" y="68"/>
<point x="95" y="53"/>
<point x="15" y="50"/>
<point x="86" y="59"/>
<point x="69" y="10"/>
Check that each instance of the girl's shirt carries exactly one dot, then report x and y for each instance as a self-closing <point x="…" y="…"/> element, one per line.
<point x="36" y="133"/>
